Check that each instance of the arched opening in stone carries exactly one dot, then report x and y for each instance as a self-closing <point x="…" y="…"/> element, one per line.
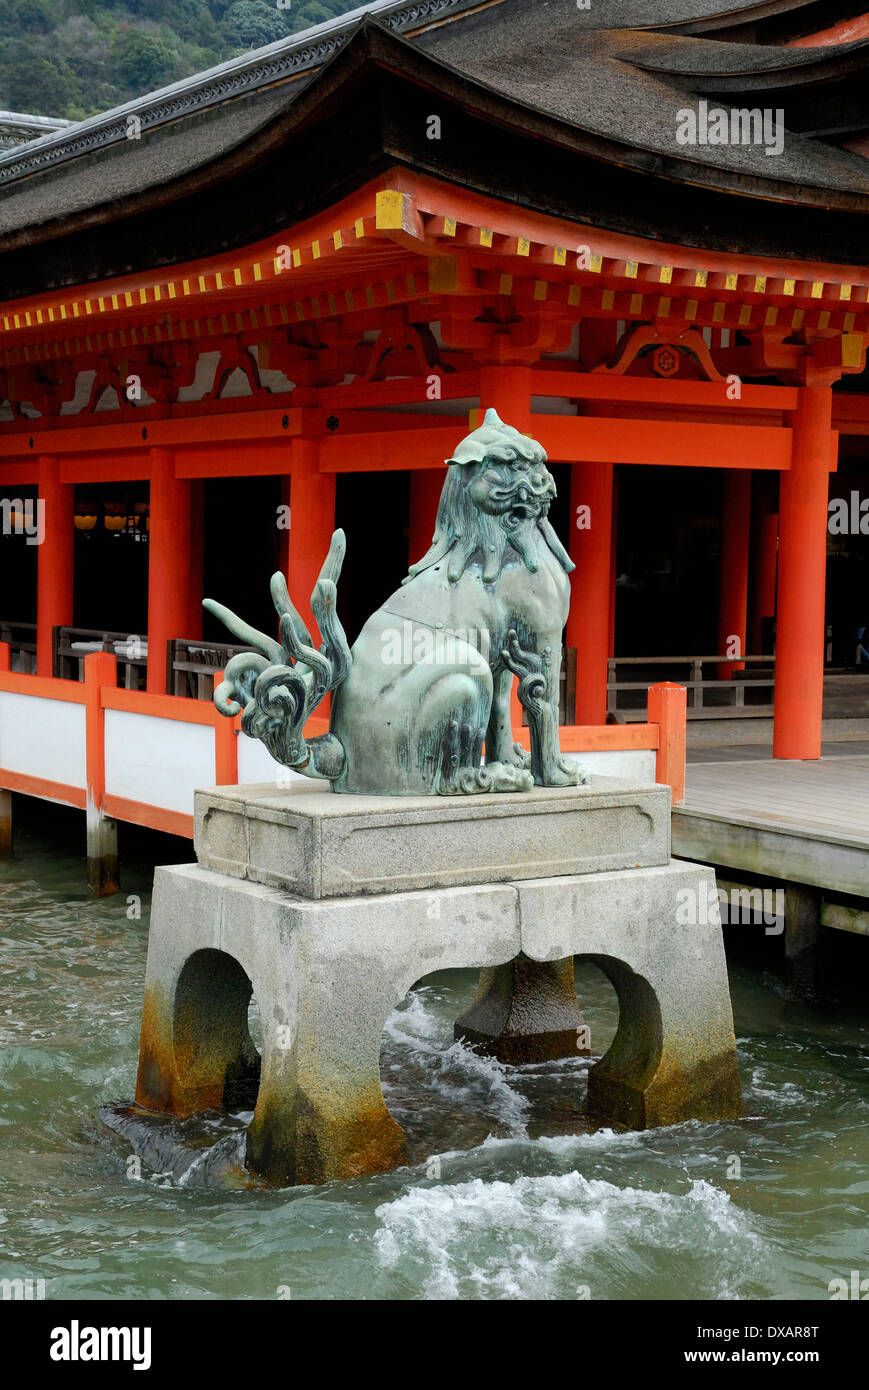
<point x="450" y="1096"/>
<point x="617" y="1081"/>
<point x="599" y="1003"/>
<point x="254" y="1024"/>
<point x="214" y="1049"/>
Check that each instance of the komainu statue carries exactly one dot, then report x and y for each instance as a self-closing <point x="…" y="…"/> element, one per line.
<point x="427" y="684"/>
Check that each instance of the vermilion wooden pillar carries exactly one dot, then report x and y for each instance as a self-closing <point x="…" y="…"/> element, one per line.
<point x="590" y="548"/>
<point x="168" y="564"/>
<point x="426" y="485"/>
<point x="802" y="573"/>
<point x="508" y="390"/>
<point x="735" y="546"/>
<point x="766" y="561"/>
<point x="613" y="563"/>
<point x="55" y="563"/>
<point x="193" y="626"/>
<point x="284" y="531"/>
<point x="312" y="512"/>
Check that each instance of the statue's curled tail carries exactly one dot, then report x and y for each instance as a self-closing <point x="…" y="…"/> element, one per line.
<point x="280" y="684"/>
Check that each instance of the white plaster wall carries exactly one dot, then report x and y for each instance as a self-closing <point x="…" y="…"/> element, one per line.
<point x="43" y="738"/>
<point x="256" y="764"/>
<point x="636" y="765"/>
<point x="160" y="762"/>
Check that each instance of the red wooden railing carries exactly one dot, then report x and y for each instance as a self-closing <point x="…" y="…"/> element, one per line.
<point x="664" y="734"/>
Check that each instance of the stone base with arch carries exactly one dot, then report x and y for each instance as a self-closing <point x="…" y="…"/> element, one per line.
<point x="328" y="970"/>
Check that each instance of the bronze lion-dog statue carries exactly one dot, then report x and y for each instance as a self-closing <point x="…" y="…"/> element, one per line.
<point x="426" y="687"/>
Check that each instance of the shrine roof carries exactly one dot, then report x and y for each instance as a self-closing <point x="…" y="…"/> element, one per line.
<point x="556" y="108"/>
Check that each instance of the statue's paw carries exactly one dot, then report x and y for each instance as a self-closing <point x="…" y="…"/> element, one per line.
<point x="491" y="777"/>
<point x="508" y="777"/>
<point x="567" y="773"/>
<point x="518" y="756"/>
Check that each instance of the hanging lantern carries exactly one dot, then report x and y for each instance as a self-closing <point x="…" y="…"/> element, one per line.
<point x="115" y="516"/>
<point x="85" y="518"/>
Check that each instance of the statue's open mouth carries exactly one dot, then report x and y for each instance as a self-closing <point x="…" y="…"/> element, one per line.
<point x="521" y="511"/>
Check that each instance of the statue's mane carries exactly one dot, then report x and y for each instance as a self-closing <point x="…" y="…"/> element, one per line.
<point x="463" y="531"/>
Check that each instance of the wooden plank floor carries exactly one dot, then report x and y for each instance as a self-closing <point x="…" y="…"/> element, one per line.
<point x="829" y="797"/>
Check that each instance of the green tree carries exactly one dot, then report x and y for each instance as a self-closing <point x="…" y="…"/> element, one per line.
<point x="35" y="16"/>
<point x="33" y="86"/>
<point x="311" y="12"/>
<point x="143" y="61"/>
<point x="249" y="24"/>
<point x="76" y="57"/>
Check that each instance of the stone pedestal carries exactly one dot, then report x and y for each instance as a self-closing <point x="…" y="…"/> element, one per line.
<point x="331" y="907"/>
<point x="526" y="1011"/>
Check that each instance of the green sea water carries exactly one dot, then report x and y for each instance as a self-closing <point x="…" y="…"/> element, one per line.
<point x="509" y="1194"/>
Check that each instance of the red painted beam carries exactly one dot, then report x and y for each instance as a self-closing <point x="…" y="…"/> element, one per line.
<point x="594" y="386"/>
<point x="154" y="817"/>
<point x="389" y="450"/>
<point x="365" y="395"/>
<point x="229" y="461"/>
<point x="600" y="440"/>
<point x="602" y="738"/>
<point x="45" y="790"/>
<point x="213" y="426"/>
<point x="568" y="437"/>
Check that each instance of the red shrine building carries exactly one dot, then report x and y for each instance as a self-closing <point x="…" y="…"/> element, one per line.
<point x="270" y="300"/>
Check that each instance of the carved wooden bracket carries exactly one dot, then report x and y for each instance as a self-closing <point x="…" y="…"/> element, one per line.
<point x="499" y="340"/>
<point x="816" y="363"/>
<point x="234" y="357"/>
<point x="665" y="347"/>
<point x="399" y="339"/>
<point x="45" y="386"/>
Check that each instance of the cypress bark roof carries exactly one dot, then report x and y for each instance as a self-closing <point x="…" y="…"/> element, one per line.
<point x="527" y="90"/>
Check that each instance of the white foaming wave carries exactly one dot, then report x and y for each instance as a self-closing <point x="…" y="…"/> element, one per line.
<point x="479" y="1083"/>
<point x="414" y="1024"/>
<point x="546" y="1237"/>
<point x="452" y="1069"/>
<point x="782" y="1093"/>
<point x="562" y="1144"/>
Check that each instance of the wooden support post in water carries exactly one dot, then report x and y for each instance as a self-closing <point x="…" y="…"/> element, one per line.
<point x="5" y="822"/>
<point x="802" y="938"/>
<point x="102" y="833"/>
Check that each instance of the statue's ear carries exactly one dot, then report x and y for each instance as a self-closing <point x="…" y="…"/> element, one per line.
<point x="469" y="451"/>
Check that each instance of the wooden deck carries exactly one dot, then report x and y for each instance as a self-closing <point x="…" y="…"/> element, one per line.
<point x="801" y="822"/>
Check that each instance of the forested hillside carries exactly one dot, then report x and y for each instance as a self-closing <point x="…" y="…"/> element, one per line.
<point x="76" y="57"/>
